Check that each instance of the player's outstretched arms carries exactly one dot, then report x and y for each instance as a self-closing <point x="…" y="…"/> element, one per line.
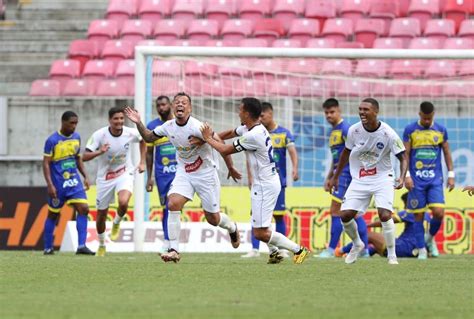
<point x="134" y="116"/>
<point x="469" y="189"/>
<point x="225" y="135"/>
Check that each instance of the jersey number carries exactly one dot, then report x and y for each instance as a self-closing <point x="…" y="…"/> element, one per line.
<point x="270" y="150"/>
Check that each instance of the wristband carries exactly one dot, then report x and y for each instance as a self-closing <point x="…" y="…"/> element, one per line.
<point x="451" y="174"/>
<point x="408" y="174"/>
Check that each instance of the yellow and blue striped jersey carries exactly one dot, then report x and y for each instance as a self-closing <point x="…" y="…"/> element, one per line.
<point x="63" y="151"/>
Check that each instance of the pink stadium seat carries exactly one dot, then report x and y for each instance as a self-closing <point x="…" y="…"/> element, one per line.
<point x="304" y="66"/>
<point x="193" y="68"/>
<point x="203" y="30"/>
<point x="221" y="43"/>
<point x="187" y="9"/>
<point x="45" y="88"/>
<point x="254" y="9"/>
<point x="78" y="87"/>
<point x="320" y="10"/>
<point x="337" y="67"/>
<point x="120" y="10"/>
<point x="337" y="29"/>
<point x="459" y="44"/>
<point x="63" y="70"/>
<point x="116" y="50"/>
<point x="82" y="51"/>
<point x="155" y="43"/>
<point x="314" y="88"/>
<point x="234" y="67"/>
<point x="167" y="68"/>
<point x="405" y="29"/>
<point x="96" y="70"/>
<point x="423" y="10"/>
<point x="303" y="29"/>
<point x="376" y="68"/>
<point x="321" y="43"/>
<point x="220" y="10"/>
<point x="125" y="71"/>
<point x="113" y="88"/>
<point x="287" y="43"/>
<point x="216" y="87"/>
<point x="466" y="68"/>
<point x="154" y="10"/>
<point x="388" y="89"/>
<point x="352" y="88"/>
<point x="458" y="10"/>
<point x="458" y="89"/>
<point x="349" y="45"/>
<point x="367" y="30"/>
<point x="167" y="86"/>
<point x="268" y="29"/>
<point x="403" y="6"/>
<point x="440" y="69"/>
<point x="253" y="43"/>
<point x="424" y="43"/>
<point x="100" y="31"/>
<point x="186" y="43"/>
<point x="424" y="89"/>
<point x="355" y="9"/>
<point x="168" y="30"/>
<point x="388" y="43"/>
<point x="386" y="10"/>
<point x="407" y="69"/>
<point x="167" y="77"/>
<point x="284" y="87"/>
<point x="267" y="70"/>
<point x="286" y="11"/>
<point x="237" y="29"/>
<point x="439" y="29"/>
<point x="134" y="31"/>
<point x="466" y="30"/>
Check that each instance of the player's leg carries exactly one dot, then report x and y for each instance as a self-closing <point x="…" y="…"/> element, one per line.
<point x="82" y="210"/>
<point x="436" y="204"/>
<point x="54" y="207"/>
<point x="363" y="234"/>
<point x="124" y="189"/>
<point x="279" y="216"/>
<point x="383" y="195"/>
<point x="105" y="195"/>
<point x="163" y="184"/>
<point x="377" y="241"/>
<point x="416" y="204"/>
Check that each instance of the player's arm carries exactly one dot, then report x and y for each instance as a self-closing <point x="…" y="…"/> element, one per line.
<point x="47" y="176"/>
<point x="408" y="180"/>
<point x="449" y="164"/>
<point x="150" y="152"/>
<point x="403" y="169"/>
<point x="82" y="170"/>
<point x="235" y="174"/>
<point x="90" y="154"/>
<point x="141" y="165"/>
<point x="209" y="137"/>
<point x="343" y="160"/>
<point x="225" y="135"/>
<point x="249" y="171"/>
<point x="294" y="161"/>
<point x="328" y="177"/>
<point x="148" y="135"/>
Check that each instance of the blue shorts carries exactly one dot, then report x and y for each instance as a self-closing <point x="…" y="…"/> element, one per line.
<point x="163" y="184"/>
<point x="280" y="206"/>
<point x="422" y="197"/>
<point x="404" y="247"/>
<point x="338" y="194"/>
<point x="70" y="195"/>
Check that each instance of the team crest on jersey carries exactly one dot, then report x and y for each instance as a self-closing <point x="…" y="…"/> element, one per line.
<point x="55" y="201"/>
<point x="380" y="145"/>
<point x="126" y="146"/>
<point x="414" y="202"/>
<point x="435" y="139"/>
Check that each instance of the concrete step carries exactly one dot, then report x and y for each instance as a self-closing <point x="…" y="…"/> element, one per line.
<point x="14" y="88"/>
<point x="18" y="35"/>
<point x="44" y="25"/>
<point x="33" y="46"/>
<point x="30" y="58"/>
<point x="58" y="10"/>
<point x="24" y="72"/>
<point x="63" y="4"/>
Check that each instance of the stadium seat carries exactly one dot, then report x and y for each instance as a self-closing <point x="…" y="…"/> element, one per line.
<point x="237" y="29"/>
<point x="407" y="69"/>
<point x="423" y="10"/>
<point x="424" y="89"/>
<point x="304" y="66"/>
<point x="186" y="43"/>
<point x="321" y="43"/>
<point x="169" y="30"/>
<point x="388" y="43"/>
<point x="268" y="29"/>
<point x="120" y="10"/>
<point x="403" y="6"/>
<point x="203" y="30"/>
<point x="116" y="50"/>
<point x="155" y="43"/>
<point x="466" y="69"/>
<point x="286" y="11"/>
<point x="287" y="43"/>
<point x="254" y="9"/>
<point x="284" y="87"/>
<point x="234" y="67"/>
<point x="45" y="88"/>
<point x="125" y="70"/>
<point x="100" y="31"/>
<point x="405" y="29"/>
<point x="458" y="11"/>
<point x="219" y="10"/>
<point x="314" y="88"/>
<point x="154" y="10"/>
<point x="466" y="30"/>
<point x="253" y="43"/>
<point x="440" y="69"/>
<point x="386" y="10"/>
<point x="187" y="9"/>
<point x="337" y="29"/>
<point x="193" y="68"/>
<point x="424" y="43"/>
<point x="349" y="45"/>
<point x="375" y="68"/>
<point x="387" y="89"/>
<point x="439" y="29"/>
<point x="167" y="86"/>
<point x="96" y="70"/>
<point x="355" y="9"/>
<point x="303" y="29"/>
<point x="266" y="70"/>
<point x="216" y="87"/>
<point x="113" y="88"/>
<point x="458" y="44"/>
<point x="337" y="67"/>
<point x="167" y="68"/>
<point x="352" y="88"/>
<point x="82" y="51"/>
<point x="221" y="43"/>
<point x="64" y="70"/>
<point x="320" y="10"/>
<point x="134" y="31"/>
<point x="458" y="89"/>
<point x="78" y="87"/>
<point x="367" y="30"/>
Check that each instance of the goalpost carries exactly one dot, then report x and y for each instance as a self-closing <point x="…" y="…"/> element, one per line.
<point x="297" y="81"/>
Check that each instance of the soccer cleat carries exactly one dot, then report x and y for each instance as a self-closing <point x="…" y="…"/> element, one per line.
<point x="354" y="253"/>
<point x="326" y="253"/>
<point x="338" y="252"/>
<point x="252" y="254"/>
<point x="235" y="237"/>
<point x="48" y="251"/>
<point x="114" y="234"/>
<point x="364" y="254"/>
<point x="422" y="254"/>
<point x="392" y="260"/>
<point x="275" y="258"/>
<point x="284" y="253"/>
<point x="100" y="251"/>
<point x="300" y="256"/>
<point x="433" y="248"/>
<point x="171" y="255"/>
<point x="84" y="251"/>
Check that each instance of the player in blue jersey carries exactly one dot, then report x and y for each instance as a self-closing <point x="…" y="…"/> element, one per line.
<point x="424" y="140"/>
<point x="165" y="162"/>
<point x="61" y="163"/>
<point x="337" y="140"/>
<point x="282" y="141"/>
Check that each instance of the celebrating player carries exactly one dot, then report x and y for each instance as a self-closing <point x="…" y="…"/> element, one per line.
<point x="61" y="161"/>
<point x="256" y="141"/>
<point x="367" y="148"/>
<point x="165" y="162"/>
<point x="282" y="140"/>
<point x="196" y="172"/>
<point x="115" y="173"/>
<point x="337" y="139"/>
<point x="424" y="140"/>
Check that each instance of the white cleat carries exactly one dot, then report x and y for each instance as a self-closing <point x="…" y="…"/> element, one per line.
<point x="252" y="254"/>
<point x="392" y="260"/>
<point x="354" y="253"/>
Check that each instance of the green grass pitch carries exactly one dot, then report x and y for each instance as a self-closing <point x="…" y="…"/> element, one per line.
<point x="227" y="286"/>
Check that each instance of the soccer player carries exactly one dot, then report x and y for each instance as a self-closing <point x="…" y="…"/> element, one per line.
<point x="165" y="162"/>
<point x="256" y="141"/>
<point x="111" y="145"/>
<point x="196" y="172"/>
<point x="367" y="148"/>
<point x="424" y="140"/>
<point x="282" y="140"/>
<point x="61" y="163"/>
<point x="337" y="139"/>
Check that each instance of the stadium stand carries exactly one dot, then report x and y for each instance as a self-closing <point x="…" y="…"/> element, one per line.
<point x="303" y="29"/>
<point x="154" y="10"/>
<point x="286" y="11"/>
<point x="45" y="88"/>
<point x="78" y="87"/>
<point x="187" y="9"/>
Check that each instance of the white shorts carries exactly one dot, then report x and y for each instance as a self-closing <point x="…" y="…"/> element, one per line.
<point x="359" y="194"/>
<point x="106" y="189"/>
<point x="206" y="184"/>
<point x="264" y="198"/>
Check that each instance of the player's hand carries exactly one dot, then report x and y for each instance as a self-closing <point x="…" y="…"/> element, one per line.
<point x="295" y="175"/>
<point x="195" y="141"/>
<point x="469" y="189"/>
<point x="206" y="131"/>
<point x="326" y="186"/>
<point x="104" y="148"/>
<point x="52" y="191"/>
<point x="399" y="183"/>
<point x="132" y="114"/>
<point x="409" y="183"/>
<point x="141" y="168"/>
<point x="333" y="184"/>
<point x="235" y="174"/>
<point x="86" y="184"/>
<point x="450" y="184"/>
<point x="149" y="185"/>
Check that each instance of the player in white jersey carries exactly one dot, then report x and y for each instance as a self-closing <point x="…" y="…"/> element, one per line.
<point x="256" y="141"/>
<point x="111" y="145"/>
<point x="196" y="172"/>
<point x="368" y="147"/>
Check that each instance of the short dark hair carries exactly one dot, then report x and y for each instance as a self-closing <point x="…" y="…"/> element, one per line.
<point x="161" y="97"/>
<point x="68" y="115"/>
<point x="253" y="106"/>
<point x="426" y="107"/>
<point x="266" y="106"/>
<point x="372" y="101"/>
<point x="331" y="102"/>
<point x="182" y="94"/>
<point x="114" y="110"/>
<point x="404" y="198"/>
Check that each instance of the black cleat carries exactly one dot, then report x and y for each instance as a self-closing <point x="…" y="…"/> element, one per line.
<point x="275" y="258"/>
<point x="49" y="251"/>
<point x="84" y="251"/>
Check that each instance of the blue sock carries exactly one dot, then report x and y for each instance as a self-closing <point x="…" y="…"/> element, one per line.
<point x="164" y="222"/>
<point x="435" y="225"/>
<point x="419" y="234"/>
<point x="49" y="226"/>
<point x="81" y="227"/>
<point x="372" y="250"/>
<point x="255" y="242"/>
<point x="336" y="230"/>
<point x="362" y="229"/>
<point x="347" y="248"/>
<point x="280" y="225"/>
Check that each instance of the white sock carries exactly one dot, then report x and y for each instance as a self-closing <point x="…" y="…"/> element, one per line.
<point x="282" y="242"/>
<point x="428" y="238"/>
<point x="226" y="223"/>
<point x="117" y="219"/>
<point x="352" y="231"/>
<point x="101" y="239"/>
<point x="388" y="230"/>
<point x="272" y="248"/>
<point x="174" y="229"/>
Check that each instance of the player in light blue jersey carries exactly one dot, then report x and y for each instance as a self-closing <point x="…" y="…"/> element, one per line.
<point x="163" y="154"/>
<point x="282" y="141"/>
<point x="424" y="140"/>
<point x="337" y="140"/>
<point x="61" y="166"/>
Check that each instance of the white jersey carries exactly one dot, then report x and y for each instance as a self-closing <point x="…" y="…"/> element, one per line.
<point x="190" y="158"/>
<point x="370" y="152"/>
<point x="258" y="145"/>
<point x="118" y="159"/>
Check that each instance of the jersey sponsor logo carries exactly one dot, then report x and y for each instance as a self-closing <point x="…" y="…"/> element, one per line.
<point x="193" y="166"/>
<point x="367" y="172"/>
<point x="70" y="183"/>
<point x="68" y="164"/>
<point x="380" y="145"/>
<point x="419" y="165"/>
<point x="65" y="149"/>
<point x="426" y="173"/>
<point x="68" y="175"/>
<point x="276" y="156"/>
<point x="117" y="159"/>
<point x="114" y="174"/>
<point x="426" y="154"/>
<point x="167" y="150"/>
<point x="368" y="157"/>
<point x="171" y="169"/>
<point x="165" y="161"/>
